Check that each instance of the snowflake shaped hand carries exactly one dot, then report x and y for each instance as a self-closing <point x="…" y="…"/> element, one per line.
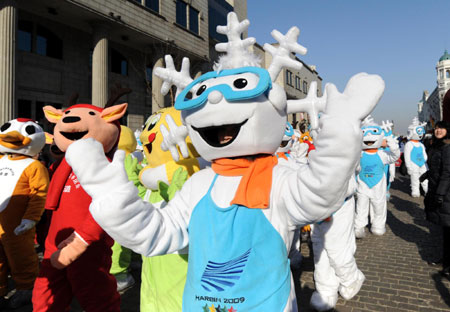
<point x="281" y="55"/>
<point x="172" y="77"/>
<point x="312" y="104"/>
<point x="175" y="136"/>
<point x="387" y="127"/>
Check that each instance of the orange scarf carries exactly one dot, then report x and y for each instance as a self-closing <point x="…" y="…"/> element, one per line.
<point x="256" y="182"/>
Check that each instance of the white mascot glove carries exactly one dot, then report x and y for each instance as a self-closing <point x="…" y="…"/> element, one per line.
<point x="95" y="173"/>
<point x="175" y="136"/>
<point x="362" y="93"/>
<point x="24" y="226"/>
<point x="299" y="152"/>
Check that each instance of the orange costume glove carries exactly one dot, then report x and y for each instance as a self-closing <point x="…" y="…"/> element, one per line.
<point x="69" y="250"/>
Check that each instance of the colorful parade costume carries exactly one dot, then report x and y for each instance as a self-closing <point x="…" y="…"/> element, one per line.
<point x="24" y="182"/>
<point x="163" y="277"/>
<point x="237" y="216"/>
<point x="372" y="181"/>
<point x="77" y="256"/>
<point x="416" y="157"/>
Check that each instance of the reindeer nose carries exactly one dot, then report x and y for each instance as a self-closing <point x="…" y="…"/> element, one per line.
<point x="215" y="97"/>
<point x="71" y="119"/>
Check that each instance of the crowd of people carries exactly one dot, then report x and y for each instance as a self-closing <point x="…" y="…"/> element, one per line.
<point x="217" y="196"/>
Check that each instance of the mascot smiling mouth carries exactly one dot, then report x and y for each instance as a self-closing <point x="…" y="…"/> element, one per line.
<point x="369" y="143"/>
<point x="73" y="136"/>
<point x="220" y="136"/>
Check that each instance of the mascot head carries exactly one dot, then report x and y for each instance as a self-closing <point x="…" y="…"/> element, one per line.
<point x="21" y="136"/>
<point x="416" y="130"/>
<point x="287" y="141"/>
<point x="373" y="134"/>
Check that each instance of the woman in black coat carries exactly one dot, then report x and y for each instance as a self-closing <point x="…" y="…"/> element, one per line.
<point x="437" y="200"/>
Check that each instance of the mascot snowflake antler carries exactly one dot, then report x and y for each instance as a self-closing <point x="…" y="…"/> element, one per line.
<point x="241" y="209"/>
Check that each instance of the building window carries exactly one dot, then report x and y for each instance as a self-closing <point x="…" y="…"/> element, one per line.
<point x="297" y="83"/>
<point x="305" y="87"/>
<point x="152" y="4"/>
<point x="441" y="74"/>
<point x="119" y="63"/>
<point x="190" y="22"/>
<point x="181" y="13"/>
<point x="447" y="74"/>
<point x="193" y="20"/>
<point x="44" y="42"/>
<point x="148" y="73"/>
<point x="289" y="78"/>
<point x="24" y="41"/>
<point x="47" y="43"/>
<point x="24" y="109"/>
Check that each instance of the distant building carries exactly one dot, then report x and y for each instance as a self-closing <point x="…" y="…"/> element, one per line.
<point x="52" y="49"/>
<point x="430" y="107"/>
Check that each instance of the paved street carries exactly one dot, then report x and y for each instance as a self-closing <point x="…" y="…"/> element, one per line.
<point x="397" y="275"/>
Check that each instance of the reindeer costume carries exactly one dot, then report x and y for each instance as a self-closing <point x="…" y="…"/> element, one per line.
<point x="237" y="216"/>
<point x="77" y="254"/>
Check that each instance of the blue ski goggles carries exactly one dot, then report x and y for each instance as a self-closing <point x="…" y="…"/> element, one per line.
<point x="375" y="130"/>
<point x="264" y="84"/>
<point x="420" y="130"/>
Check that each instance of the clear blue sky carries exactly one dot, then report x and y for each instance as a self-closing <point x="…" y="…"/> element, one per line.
<point x="400" y="40"/>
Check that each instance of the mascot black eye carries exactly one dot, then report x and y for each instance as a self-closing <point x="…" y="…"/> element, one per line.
<point x="92" y="113"/>
<point x="5" y="126"/>
<point x="201" y="90"/>
<point x="30" y="129"/>
<point x="240" y="83"/>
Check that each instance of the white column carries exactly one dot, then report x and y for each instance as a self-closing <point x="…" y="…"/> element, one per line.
<point x="100" y="66"/>
<point x="157" y="97"/>
<point x="8" y="29"/>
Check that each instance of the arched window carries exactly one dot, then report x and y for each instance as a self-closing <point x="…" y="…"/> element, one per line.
<point x="119" y="63"/>
<point x="447" y="73"/>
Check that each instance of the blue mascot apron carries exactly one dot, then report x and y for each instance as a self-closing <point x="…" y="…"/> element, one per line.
<point x="237" y="261"/>
<point x="417" y="156"/>
<point x="372" y="169"/>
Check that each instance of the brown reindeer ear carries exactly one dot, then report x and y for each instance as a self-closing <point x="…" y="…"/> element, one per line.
<point x="115" y="112"/>
<point x="52" y="114"/>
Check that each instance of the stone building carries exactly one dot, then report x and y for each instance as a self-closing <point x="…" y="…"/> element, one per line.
<point x="54" y="48"/>
<point x="431" y="107"/>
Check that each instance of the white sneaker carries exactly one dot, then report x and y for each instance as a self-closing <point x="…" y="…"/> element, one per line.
<point x="20" y="298"/>
<point x="323" y="303"/>
<point x="360" y="233"/>
<point x="350" y="291"/>
<point x="124" y="281"/>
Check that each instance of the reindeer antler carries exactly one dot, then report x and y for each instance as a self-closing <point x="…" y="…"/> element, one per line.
<point x="116" y="93"/>
<point x="281" y="55"/>
<point x="312" y="104"/>
<point x="172" y="77"/>
<point x="72" y="99"/>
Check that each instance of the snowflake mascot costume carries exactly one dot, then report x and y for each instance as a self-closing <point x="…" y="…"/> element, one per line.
<point x="239" y="214"/>
<point x="371" y="191"/>
<point x="24" y="183"/>
<point x="416" y="156"/>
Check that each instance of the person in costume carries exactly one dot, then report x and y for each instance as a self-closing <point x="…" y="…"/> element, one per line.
<point x="163" y="277"/>
<point x="416" y="157"/>
<point x="77" y="256"/>
<point x="334" y="247"/>
<point x="389" y="169"/>
<point x="24" y="183"/>
<point x="236" y="216"/>
<point x="371" y="190"/>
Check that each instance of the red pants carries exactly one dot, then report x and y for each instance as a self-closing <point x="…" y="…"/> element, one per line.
<point x="86" y="279"/>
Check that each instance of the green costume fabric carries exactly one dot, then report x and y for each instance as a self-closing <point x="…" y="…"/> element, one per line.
<point x="121" y="256"/>
<point x="163" y="277"/>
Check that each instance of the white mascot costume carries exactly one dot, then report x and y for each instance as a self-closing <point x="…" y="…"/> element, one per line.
<point x="416" y="156"/>
<point x="334" y="247"/>
<point x="371" y="191"/>
<point x="239" y="214"/>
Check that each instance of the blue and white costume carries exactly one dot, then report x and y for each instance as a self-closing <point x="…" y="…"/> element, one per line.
<point x="237" y="256"/>
<point x="416" y="157"/>
<point x="371" y="191"/>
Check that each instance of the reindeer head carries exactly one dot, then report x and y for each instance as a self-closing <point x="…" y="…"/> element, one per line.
<point x="86" y="121"/>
